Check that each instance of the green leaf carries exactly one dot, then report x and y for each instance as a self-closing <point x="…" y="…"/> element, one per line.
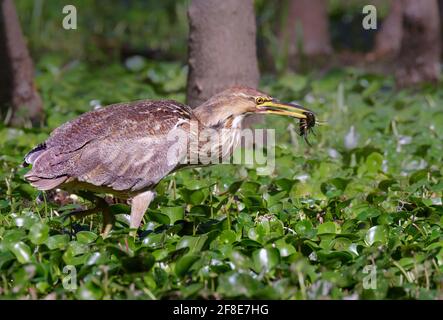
<point x="38" y="233"/>
<point x="174" y="213"/>
<point x="11" y="237"/>
<point x="374" y="162"/>
<point x="76" y="253"/>
<point x="193" y="243"/>
<point x="89" y="291"/>
<point x="185" y="263"/>
<point x="86" y="237"/>
<point x="284" y="248"/>
<point x="327" y="227"/>
<point x="376" y="234"/>
<point x="233" y="284"/>
<point x="5" y="258"/>
<point x="368" y="214"/>
<point x="158" y="217"/>
<point x="194" y="197"/>
<point x="266" y="259"/>
<point x="22" y="252"/>
<point x="142" y="262"/>
<point x="227" y="236"/>
<point x="59" y="241"/>
<point x="305" y="228"/>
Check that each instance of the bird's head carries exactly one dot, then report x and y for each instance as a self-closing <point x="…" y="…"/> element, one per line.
<point x="231" y="105"/>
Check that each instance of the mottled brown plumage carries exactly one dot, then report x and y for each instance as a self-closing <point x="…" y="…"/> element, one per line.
<point x="126" y="149"/>
<point x="101" y="147"/>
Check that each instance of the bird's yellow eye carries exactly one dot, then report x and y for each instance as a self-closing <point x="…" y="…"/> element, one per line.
<point x="259" y="100"/>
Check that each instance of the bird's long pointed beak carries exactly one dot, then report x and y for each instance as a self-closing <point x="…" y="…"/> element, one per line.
<point x="285" y="109"/>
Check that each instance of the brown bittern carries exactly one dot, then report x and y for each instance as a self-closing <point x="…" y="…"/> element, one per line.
<point x="126" y="149"/>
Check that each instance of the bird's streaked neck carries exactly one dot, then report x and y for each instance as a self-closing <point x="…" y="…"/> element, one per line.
<point x="212" y="117"/>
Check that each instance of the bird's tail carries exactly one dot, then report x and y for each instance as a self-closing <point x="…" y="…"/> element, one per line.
<point x="32" y="155"/>
<point x="37" y="181"/>
<point x="44" y="183"/>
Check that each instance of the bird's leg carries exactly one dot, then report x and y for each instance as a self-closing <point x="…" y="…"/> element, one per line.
<point x="79" y="214"/>
<point x="108" y="217"/>
<point x="139" y="205"/>
<point x="100" y="206"/>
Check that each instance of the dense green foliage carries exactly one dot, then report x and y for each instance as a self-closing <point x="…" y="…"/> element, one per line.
<point x="365" y="199"/>
<point x="367" y="193"/>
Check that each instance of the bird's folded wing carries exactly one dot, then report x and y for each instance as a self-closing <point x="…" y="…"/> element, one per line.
<point x="124" y="147"/>
<point x="128" y="165"/>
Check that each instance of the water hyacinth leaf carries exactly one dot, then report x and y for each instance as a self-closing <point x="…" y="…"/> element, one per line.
<point x="21" y="251"/>
<point x="227" y="236"/>
<point x="158" y="217"/>
<point x="4" y="204"/>
<point x="327" y="227"/>
<point x="11" y="237"/>
<point x="58" y="241"/>
<point x="240" y="260"/>
<point x="26" y="221"/>
<point x="386" y="184"/>
<point x="376" y="234"/>
<point x="96" y="258"/>
<point x="154" y="240"/>
<point x="234" y="187"/>
<point x="5" y="258"/>
<point x="254" y="235"/>
<point x="368" y="214"/>
<point x="193" y="243"/>
<point x="276" y="198"/>
<point x="185" y="263"/>
<point x="284" y="248"/>
<point x="191" y="290"/>
<point x="285" y="184"/>
<point x="334" y="187"/>
<point x="142" y="262"/>
<point x="89" y="291"/>
<point x="174" y="213"/>
<point x="305" y="228"/>
<point x="420" y="175"/>
<point x="75" y="253"/>
<point x="233" y="284"/>
<point x="200" y="211"/>
<point x="38" y="233"/>
<point x="194" y="197"/>
<point x="86" y="237"/>
<point x="249" y="244"/>
<point x="374" y="163"/>
<point x="249" y="188"/>
<point x="266" y="259"/>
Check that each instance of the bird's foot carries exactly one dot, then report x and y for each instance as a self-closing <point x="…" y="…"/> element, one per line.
<point x="101" y="206"/>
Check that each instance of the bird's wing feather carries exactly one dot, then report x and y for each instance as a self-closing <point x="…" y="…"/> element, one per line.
<point x="121" y="146"/>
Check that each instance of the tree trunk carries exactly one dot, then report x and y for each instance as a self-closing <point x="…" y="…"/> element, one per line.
<point x="388" y="39"/>
<point x="410" y="36"/>
<point x="306" y="31"/>
<point x="419" y="56"/>
<point x="19" y="100"/>
<point x="222" y="47"/>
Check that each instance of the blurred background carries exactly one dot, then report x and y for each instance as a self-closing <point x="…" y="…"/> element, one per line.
<point x="285" y="36"/>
